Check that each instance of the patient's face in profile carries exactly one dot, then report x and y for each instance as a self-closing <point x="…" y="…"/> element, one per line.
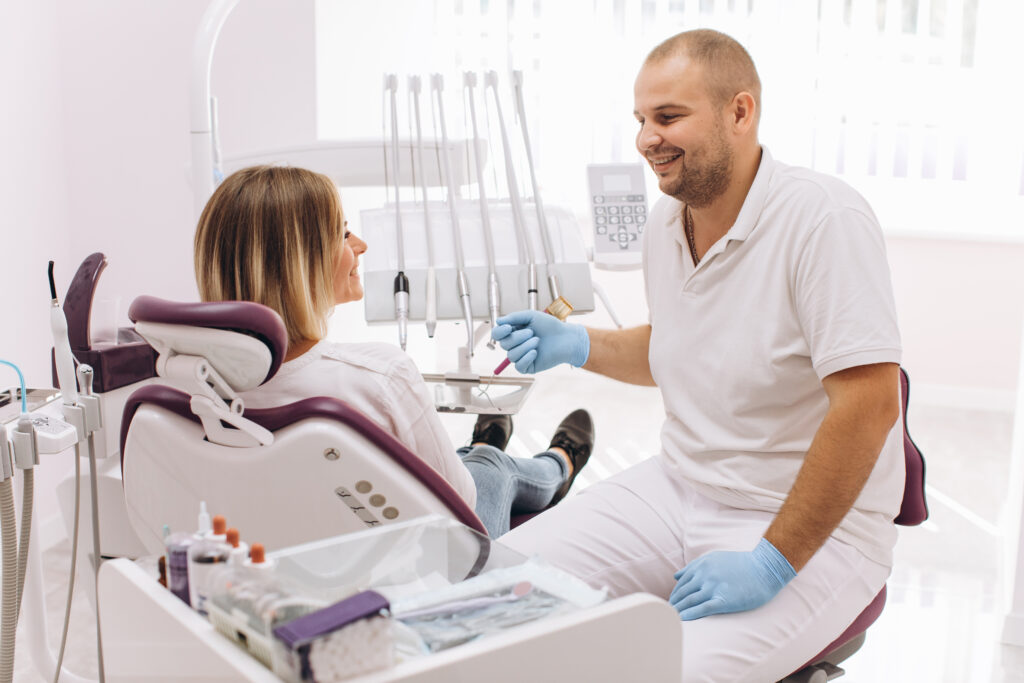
<point x="347" y="285"/>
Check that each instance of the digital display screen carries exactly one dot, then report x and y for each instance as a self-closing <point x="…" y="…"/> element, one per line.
<point x="618" y="182"/>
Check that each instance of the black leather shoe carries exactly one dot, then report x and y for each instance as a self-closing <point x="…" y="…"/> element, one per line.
<point x="575" y="436"/>
<point x="493" y="430"/>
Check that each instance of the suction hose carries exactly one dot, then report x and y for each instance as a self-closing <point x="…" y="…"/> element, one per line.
<point x="10" y="581"/>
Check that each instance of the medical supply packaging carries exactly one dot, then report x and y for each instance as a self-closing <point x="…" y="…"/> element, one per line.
<point x="338" y="608"/>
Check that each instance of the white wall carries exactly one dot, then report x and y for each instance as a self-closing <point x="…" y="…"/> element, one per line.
<point x="95" y="148"/>
<point x="961" y="306"/>
<point x="33" y="185"/>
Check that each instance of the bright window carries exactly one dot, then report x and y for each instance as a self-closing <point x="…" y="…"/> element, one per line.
<point x="914" y="102"/>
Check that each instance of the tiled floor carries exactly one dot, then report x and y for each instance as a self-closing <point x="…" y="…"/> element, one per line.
<point x="944" y="616"/>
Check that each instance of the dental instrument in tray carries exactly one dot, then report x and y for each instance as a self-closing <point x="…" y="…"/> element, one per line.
<point x="493" y="293"/>
<point x="549" y="252"/>
<point x="525" y="245"/>
<point x="401" y="281"/>
<point x="417" y="160"/>
<point x="462" y="284"/>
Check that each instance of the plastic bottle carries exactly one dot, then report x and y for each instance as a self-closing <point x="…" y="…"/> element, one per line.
<point x="177" y="545"/>
<point x="203" y="556"/>
<point x="239" y="549"/>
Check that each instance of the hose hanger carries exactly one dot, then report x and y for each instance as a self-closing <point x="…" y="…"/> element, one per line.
<point x="401" y="281"/>
<point x="462" y="284"/>
<point x="415" y="87"/>
<point x="525" y="245"/>
<point x="549" y="252"/>
<point x="493" y="293"/>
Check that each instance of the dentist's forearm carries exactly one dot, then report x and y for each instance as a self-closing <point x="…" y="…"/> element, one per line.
<point x="621" y="354"/>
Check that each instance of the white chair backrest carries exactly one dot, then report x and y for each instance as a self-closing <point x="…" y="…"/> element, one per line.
<point x="319" y="478"/>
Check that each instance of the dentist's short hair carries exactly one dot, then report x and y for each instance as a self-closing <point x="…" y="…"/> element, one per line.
<point x="269" y="234"/>
<point x="728" y="67"/>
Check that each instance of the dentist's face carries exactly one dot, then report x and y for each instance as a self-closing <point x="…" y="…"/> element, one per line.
<point x="347" y="286"/>
<point x="682" y="132"/>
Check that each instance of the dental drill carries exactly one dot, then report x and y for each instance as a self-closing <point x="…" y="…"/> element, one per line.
<point x="491" y="81"/>
<point x="437" y="86"/>
<point x="401" y="281"/>
<point x="493" y="293"/>
<point x="549" y="252"/>
<point x="431" y="284"/>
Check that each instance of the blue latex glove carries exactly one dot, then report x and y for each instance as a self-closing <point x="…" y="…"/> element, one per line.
<point x="537" y="341"/>
<point x="722" y="582"/>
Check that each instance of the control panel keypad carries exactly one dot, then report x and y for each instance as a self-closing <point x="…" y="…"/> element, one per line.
<point x="619" y="218"/>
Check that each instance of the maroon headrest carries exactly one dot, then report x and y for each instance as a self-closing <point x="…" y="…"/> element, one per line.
<point x="277" y="418"/>
<point x="914" y="509"/>
<point x="246" y="317"/>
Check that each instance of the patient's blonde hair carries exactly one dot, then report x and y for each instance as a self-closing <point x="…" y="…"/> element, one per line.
<point x="269" y="234"/>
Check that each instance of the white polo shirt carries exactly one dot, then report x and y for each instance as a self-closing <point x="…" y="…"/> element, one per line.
<point x="798" y="289"/>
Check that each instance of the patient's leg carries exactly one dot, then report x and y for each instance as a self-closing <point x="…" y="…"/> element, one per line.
<point x="505" y="483"/>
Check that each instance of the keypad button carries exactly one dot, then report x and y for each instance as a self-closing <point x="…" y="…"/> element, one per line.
<point x="599" y="210"/>
<point x="602" y="229"/>
<point x="614" y="220"/>
<point x="627" y="209"/>
<point x="627" y="219"/>
<point x="613" y="209"/>
<point x="598" y="199"/>
<point x="640" y="220"/>
<point x="641" y="209"/>
<point x="601" y="220"/>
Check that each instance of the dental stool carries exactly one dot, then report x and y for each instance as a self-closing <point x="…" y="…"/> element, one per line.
<point x="913" y="511"/>
<point x="308" y="470"/>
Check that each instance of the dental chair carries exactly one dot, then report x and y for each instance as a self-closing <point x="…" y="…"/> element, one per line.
<point x="283" y="476"/>
<point x="913" y="511"/>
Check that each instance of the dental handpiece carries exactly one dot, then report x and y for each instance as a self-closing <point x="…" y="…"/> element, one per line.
<point x="559" y="308"/>
<point x="63" y="359"/>
<point x="401" y="281"/>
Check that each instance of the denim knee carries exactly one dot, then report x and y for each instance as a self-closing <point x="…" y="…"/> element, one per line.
<point x="488" y="456"/>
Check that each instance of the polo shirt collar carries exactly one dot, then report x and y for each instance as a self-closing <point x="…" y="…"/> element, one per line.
<point x="750" y="212"/>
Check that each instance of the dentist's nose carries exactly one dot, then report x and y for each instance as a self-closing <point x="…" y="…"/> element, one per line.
<point x="646" y="139"/>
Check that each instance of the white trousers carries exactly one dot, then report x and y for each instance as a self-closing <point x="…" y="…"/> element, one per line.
<point x="633" y="531"/>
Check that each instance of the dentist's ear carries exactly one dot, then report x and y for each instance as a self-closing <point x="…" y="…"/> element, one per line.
<point x="743" y="111"/>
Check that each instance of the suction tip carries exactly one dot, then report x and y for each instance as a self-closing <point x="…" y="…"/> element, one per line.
<point x="53" y="286"/>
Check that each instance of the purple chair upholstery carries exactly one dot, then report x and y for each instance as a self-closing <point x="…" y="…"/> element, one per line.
<point x="913" y="511"/>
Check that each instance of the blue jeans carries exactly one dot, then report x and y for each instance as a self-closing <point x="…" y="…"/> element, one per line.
<point x="505" y="484"/>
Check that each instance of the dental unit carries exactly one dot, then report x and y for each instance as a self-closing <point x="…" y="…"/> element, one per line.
<point x="493" y="292"/>
<point x="491" y="82"/>
<point x="415" y="86"/>
<point x="549" y="252"/>
<point x="401" y="287"/>
<point x="462" y="284"/>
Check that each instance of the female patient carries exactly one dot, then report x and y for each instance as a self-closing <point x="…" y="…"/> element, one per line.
<point x="277" y="236"/>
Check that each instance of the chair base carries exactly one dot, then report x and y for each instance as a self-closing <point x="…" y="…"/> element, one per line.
<point x="826" y="669"/>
